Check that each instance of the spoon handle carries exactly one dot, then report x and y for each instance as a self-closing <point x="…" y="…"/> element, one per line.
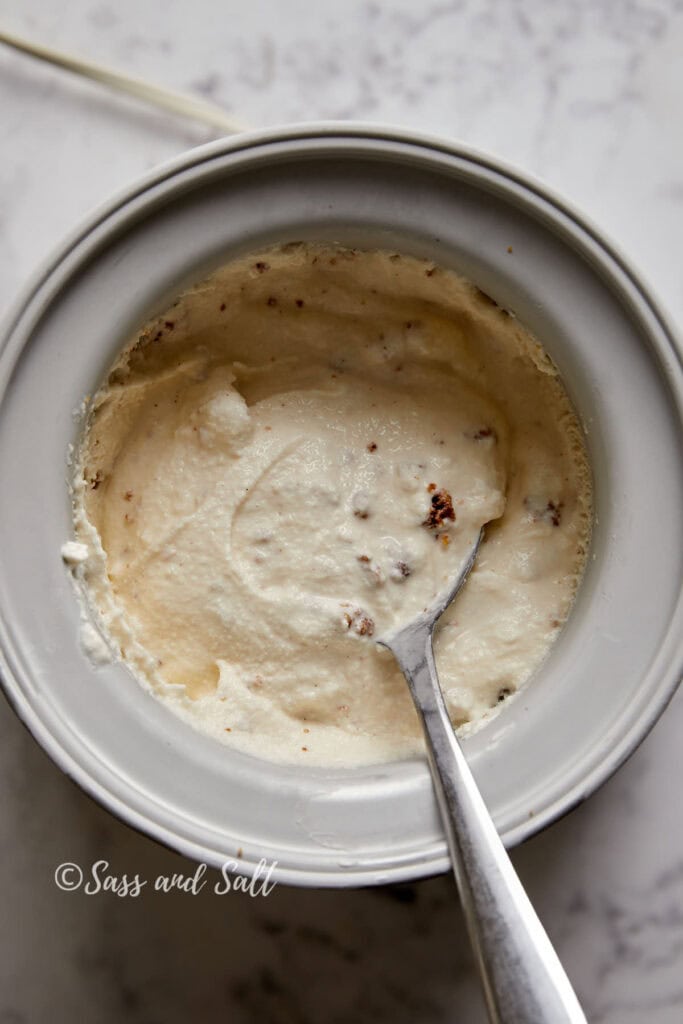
<point x="524" y="981"/>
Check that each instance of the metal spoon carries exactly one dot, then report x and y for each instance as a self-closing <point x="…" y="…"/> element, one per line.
<point x="523" y="979"/>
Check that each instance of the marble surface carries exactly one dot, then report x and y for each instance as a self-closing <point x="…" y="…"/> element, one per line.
<point x="585" y="95"/>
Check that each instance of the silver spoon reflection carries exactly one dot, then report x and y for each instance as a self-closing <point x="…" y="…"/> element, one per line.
<point x="523" y="979"/>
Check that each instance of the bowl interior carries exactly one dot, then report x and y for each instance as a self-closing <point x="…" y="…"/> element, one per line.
<point x="615" y="663"/>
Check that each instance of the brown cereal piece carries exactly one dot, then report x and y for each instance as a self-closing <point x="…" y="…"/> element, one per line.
<point x="483" y="434"/>
<point x="554" y="511"/>
<point x="359" y="622"/>
<point x="360" y="504"/>
<point x="372" y="570"/>
<point x="440" y="511"/>
<point x="550" y="512"/>
<point x="400" y="571"/>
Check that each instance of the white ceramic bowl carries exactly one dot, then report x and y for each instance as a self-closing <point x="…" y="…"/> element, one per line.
<point x="619" y="658"/>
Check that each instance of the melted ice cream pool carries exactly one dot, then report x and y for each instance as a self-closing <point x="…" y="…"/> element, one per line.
<point x="294" y="459"/>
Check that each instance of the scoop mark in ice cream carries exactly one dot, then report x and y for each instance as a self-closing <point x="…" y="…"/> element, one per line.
<point x="258" y="494"/>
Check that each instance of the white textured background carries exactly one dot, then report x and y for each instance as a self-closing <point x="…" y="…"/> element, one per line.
<point x="587" y="95"/>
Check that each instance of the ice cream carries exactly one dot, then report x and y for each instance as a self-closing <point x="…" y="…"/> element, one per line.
<point x="293" y="460"/>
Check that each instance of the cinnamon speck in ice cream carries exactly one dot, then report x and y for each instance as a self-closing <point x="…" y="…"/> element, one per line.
<point x="295" y="459"/>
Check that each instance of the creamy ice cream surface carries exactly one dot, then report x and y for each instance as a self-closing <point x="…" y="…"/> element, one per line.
<point x="293" y="460"/>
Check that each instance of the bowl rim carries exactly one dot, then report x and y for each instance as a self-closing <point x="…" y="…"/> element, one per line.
<point x="40" y="281"/>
